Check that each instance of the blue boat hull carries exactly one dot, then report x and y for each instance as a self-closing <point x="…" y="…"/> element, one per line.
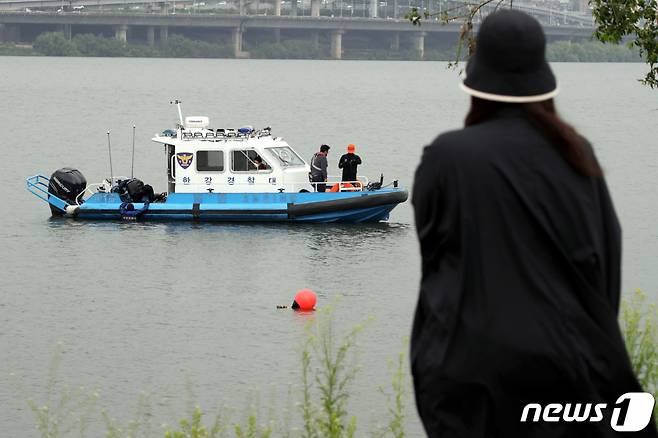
<point x="342" y="207"/>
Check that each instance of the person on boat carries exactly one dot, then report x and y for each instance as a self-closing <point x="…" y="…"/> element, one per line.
<point x="349" y="162"/>
<point x="520" y="249"/>
<point x="260" y="165"/>
<point x="319" y="168"/>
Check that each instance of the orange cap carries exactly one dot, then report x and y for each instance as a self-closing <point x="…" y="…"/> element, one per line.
<point x="351" y="148"/>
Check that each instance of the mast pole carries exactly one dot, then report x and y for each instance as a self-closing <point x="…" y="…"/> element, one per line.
<point x="132" y="163"/>
<point x="109" y="148"/>
<point x="180" y="112"/>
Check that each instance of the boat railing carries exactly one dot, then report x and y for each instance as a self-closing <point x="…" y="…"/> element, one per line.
<point x="335" y="184"/>
<point x="105" y="186"/>
<point x="92" y="189"/>
<point x="38" y="186"/>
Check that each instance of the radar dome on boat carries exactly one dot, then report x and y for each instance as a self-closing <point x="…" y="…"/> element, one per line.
<point x="197" y="122"/>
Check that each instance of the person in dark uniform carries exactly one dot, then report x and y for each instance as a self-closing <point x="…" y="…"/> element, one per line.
<point x="349" y="162"/>
<point x="319" y="168"/>
<point x="520" y="249"/>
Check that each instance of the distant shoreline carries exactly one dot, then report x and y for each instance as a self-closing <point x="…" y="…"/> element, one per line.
<point x="87" y="45"/>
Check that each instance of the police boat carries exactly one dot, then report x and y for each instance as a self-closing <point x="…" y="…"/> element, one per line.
<point x="220" y="175"/>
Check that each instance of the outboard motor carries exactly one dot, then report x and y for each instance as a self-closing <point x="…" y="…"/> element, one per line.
<point x="66" y="184"/>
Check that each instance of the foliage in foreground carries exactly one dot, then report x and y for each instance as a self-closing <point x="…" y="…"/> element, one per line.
<point x="617" y="21"/>
<point x="329" y="366"/>
<point x="639" y="325"/>
<point x="633" y="20"/>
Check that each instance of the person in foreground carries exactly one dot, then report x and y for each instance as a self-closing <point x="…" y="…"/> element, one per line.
<point x="521" y="252"/>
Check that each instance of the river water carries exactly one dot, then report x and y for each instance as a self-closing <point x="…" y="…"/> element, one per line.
<point x="185" y="313"/>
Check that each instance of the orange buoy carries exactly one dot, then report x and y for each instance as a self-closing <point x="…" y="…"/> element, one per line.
<point x="305" y="299"/>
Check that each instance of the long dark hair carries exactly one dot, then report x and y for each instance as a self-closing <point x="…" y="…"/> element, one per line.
<point x="543" y="116"/>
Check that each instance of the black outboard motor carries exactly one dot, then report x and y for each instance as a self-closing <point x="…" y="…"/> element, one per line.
<point x="66" y="184"/>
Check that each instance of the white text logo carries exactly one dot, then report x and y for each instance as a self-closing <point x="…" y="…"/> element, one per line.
<point x="631" y="412"/>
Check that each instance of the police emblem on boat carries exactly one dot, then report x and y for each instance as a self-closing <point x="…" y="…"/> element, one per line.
<point x="184" y="159"/>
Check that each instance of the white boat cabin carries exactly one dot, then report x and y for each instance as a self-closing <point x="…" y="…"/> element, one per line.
<point x="205" y="160"/>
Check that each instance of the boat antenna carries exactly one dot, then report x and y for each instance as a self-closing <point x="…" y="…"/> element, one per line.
<point x="109" y="148"/>
<point x="180" y="113"/>
<point x="132" y="163"/>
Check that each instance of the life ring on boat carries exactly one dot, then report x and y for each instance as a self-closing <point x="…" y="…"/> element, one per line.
<point x="338" y="187"/>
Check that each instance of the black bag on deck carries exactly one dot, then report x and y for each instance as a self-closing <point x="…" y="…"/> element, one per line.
<point x="134" y="190"/>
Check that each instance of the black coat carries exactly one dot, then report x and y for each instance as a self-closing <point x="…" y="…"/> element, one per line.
<point x="349" y="162"/>
<point x="520" y="286"/>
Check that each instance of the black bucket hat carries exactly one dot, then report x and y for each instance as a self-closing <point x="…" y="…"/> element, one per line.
<point x="509" y="64"/>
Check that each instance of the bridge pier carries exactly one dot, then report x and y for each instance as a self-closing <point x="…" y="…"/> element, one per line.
<point x="65" y="29"/>
<point x="315" y="8"/>
<point x="150" y="35"/>
<point x="337" y="44"/>
<point x="315" y="39"/>
<point x="395" y="41"/>
<point x="419" y="44"/>
<point x="164" y="35"/>
<point x="277" y="35"/>
<point x="373" y="8"/>
<point x="121" y="32"/>
<point x="277" y="7"/>
<point x="237" y="39"/>
<point x="293" y="8"/>
<point x="243" y="7"/>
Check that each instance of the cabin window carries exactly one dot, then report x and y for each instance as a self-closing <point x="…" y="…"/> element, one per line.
<point x="286" y="156"/>
<point x="210" y="161"/>
<point x="248" y="161"/>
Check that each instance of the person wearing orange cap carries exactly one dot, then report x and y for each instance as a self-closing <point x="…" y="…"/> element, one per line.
<point x="349" y="162"/>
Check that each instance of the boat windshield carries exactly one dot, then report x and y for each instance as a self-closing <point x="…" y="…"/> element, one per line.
<point x="286" y="156"/>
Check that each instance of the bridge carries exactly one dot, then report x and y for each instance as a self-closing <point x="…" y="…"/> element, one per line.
<point x="544" y="15"/>
<point x="144" y="26"/>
